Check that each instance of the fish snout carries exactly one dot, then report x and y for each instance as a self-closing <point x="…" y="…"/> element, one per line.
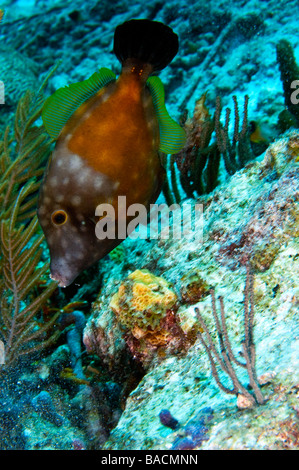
<point x="62" y="272"/>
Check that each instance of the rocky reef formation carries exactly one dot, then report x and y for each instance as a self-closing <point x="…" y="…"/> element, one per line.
<point x="259" y="206"/>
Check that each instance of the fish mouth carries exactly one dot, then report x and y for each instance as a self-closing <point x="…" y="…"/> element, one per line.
<point x="61" y="282"/>
<point x="60" y="275"/>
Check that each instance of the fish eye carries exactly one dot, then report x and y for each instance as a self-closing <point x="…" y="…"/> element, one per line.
<point x="59" y="217"/>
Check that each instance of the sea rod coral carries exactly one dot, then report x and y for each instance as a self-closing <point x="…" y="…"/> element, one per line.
<point x="226" y="359"/>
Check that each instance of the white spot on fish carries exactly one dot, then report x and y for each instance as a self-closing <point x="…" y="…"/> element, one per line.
<point x="98" y="183"/>
<point x="49" y="239"/>
<point x="53" y="181"/>
<point x="42" y="210"/>
<point x="59" y="198"/>
<point x="76" y="200"/>
<point x="84" y="175"/>
<point x="80" y="255"/>
<point x="75" y="163"/>
<point x="64" y="243"/>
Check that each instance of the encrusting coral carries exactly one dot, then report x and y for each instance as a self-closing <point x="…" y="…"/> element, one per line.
<point x="23" y="287"/>
<point x="145" y="306"/>
<point x="142" y="301"/>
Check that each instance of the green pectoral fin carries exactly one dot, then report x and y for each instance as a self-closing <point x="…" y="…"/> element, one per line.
<point x="172" y="136"/>
<point x="59" y="107"/>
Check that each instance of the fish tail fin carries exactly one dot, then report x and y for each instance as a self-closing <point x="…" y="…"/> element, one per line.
<point x="146" y="42"/>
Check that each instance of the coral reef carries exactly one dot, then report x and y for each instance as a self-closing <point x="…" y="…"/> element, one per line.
<point x="141" y="320"/>
<point x="271" y="219"/>
<point x="238" y="152"/>
<point x="186" y="385"/>
<point x="198" y="162"/>
<point x="43" y="404"/>
<point x="193" y="287"/>
<point x="22" y="68"/>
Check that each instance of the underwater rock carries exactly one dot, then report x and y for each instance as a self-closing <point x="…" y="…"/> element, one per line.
<point x="266" y="210"/>
<point x="90" y="411"/>
<point x="74" y="336"/>
<point x="244" y="403"/>
<point x="183" y="443"/>
<point x="193" y="287"/>
<point x="195" y="432"/>
<point x="18" y="73"/>
<point x="10" y="427"/>
<point x="103" y="337"/>
<point x="188" y="322"/>
<point x="191" y="435"/>
<point x="43" y="404"/>
<point x="250" y="25"/>
<point x="272" y="217"/>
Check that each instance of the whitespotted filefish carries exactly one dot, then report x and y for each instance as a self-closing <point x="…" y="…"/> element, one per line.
<point x="109" y="133"/>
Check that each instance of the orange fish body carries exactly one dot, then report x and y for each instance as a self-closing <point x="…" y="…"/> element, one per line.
<point x="108" y="146"/>
<point x="129" y="132"/>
